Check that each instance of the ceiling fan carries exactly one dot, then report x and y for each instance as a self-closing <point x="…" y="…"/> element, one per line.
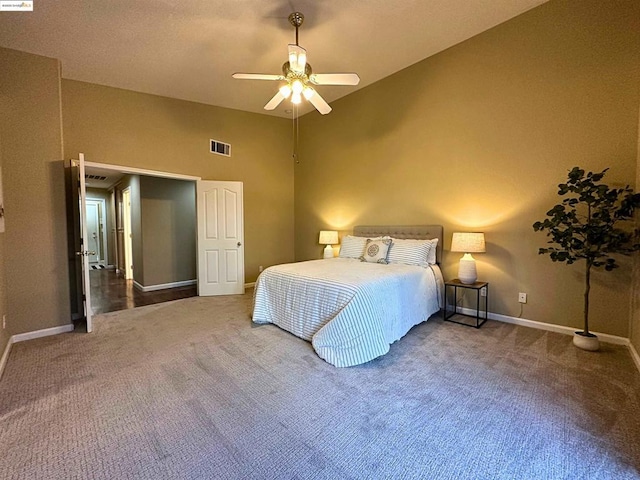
<point x="298" y="77"/>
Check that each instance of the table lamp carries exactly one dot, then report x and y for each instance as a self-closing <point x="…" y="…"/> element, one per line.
<point x="468" y="243"/>
<point x="328" y="238"/>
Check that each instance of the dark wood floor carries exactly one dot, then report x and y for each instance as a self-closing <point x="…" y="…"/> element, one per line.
<point x="111" y="292"/>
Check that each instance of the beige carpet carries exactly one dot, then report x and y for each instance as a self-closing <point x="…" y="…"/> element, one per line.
<point x="191" y="389"/>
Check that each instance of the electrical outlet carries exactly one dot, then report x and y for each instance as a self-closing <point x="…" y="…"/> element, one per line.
<point x="483" y="292"/>
<point x="260" y="268"/>
<point x="522" y="297"/>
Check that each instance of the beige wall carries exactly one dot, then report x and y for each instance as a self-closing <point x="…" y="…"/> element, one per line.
<point x="168" y="211"/>
<point x="163" y="229"/>
<point x="127" y="128"/>
<point x="35" y="241"/>
<point x="477" y="138"/>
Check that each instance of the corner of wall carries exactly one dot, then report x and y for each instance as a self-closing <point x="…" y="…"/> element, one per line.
<point x="634" y="315"/>
<point x="5" y="338"/>
<point x="32" y="174"/>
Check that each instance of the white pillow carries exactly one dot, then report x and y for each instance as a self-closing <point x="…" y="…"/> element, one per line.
<point x="375" y="251"/>
<point x="432" y="253"/>
<point x="410" y="252"/>
<point x="353" y="247"/>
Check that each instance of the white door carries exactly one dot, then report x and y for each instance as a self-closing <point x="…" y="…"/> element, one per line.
<point x="97" y="230"/>
<point x="93" y="230"/>
<point x="220" y="249"/>
<point x="86" y="251"/>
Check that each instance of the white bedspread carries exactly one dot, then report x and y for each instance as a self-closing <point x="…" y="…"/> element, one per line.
<point x="351" y="311"/>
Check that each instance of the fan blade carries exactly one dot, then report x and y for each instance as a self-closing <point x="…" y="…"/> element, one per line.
<point x="297" y="58"/>
<point x="335" y="78"/>
<point x="275" y="101"/>
<point x="257" y="76"/>
<point x="317" y="101"/>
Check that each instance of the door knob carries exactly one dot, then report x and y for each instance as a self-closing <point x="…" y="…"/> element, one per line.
<point x="239" y="244"/>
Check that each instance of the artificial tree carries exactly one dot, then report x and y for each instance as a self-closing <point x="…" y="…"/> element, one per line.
<point x="587" y="225"/>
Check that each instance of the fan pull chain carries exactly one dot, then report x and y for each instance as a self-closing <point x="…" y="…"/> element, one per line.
<point x="296" y="132"/>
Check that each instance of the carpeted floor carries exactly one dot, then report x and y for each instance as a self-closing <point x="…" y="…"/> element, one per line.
<point x="191" y="389"/>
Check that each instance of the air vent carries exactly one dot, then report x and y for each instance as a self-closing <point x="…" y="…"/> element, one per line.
<point x="220" y="148"/>
<point x="95" y="177"/>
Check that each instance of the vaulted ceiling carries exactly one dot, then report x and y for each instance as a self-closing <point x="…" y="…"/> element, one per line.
<point x="188" y="50"/>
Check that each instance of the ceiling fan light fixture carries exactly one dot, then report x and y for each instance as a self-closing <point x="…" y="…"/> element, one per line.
<point x="297" y="76"/>
<point x="285" y="90"/>
<point x="297" y="87"/>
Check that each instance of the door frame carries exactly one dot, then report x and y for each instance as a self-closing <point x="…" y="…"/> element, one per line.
<point x="126" y="227"/>
<point x="141" y="171"/>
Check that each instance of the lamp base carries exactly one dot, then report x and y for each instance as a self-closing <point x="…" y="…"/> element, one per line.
<point x="328" y="251"/>
<point x="467" y="272"/>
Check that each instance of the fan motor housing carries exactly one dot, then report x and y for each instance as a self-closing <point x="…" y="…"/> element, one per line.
<point x="287" y="72"/>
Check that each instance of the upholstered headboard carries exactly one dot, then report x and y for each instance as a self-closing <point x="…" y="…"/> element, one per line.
<point x="417" y="232"/>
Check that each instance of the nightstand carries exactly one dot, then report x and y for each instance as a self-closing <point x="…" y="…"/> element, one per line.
<point x="478" y="287"/>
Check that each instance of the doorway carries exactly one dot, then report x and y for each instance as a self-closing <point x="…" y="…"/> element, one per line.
<point x="154" y="254"/>
<point x="97" y="232"/>
<point x="140" y="294"/>
<point x="138" y="240"/>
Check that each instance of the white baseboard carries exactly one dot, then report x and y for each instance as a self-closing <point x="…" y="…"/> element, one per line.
<point x="46" y="332"/>
<point x="5" y="357"/>
<point x="153" y="288"/>
<point x="21" y="337"/>
<point x="604" y="337"/>
<point x="634" y="355"/>
<point x="184" y="283"/>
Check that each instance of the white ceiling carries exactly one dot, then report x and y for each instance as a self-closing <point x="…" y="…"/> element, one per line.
<point x="189" y="49"/>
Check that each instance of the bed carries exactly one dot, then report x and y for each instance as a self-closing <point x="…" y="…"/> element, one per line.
<point x="352" y="308"/>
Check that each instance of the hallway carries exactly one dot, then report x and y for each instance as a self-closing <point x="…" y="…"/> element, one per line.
<point x="111" y="292"/>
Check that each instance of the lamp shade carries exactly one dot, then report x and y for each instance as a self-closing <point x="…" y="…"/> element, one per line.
<point x="328" y="237"/>
<point x="468" y="242"/>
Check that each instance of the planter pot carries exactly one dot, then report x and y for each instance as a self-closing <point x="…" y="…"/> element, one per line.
<point x="584" y="341"/>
